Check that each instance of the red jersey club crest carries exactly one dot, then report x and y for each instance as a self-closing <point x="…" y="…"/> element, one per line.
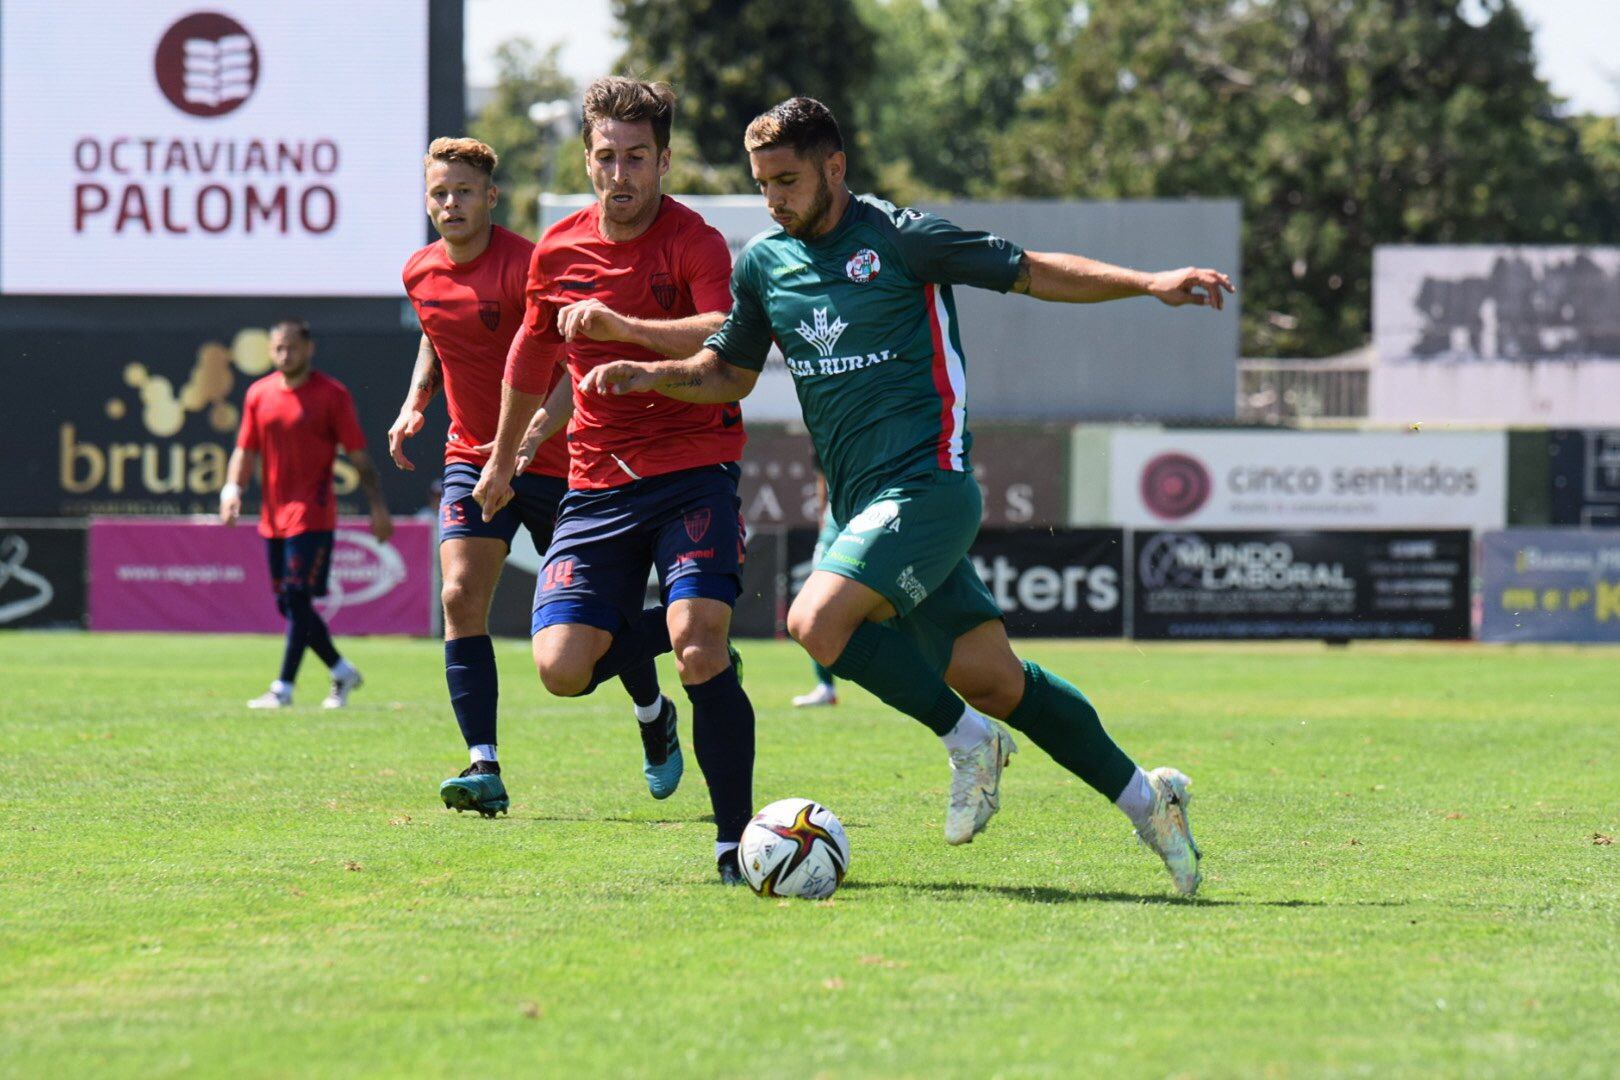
<point x="490" y="312"/>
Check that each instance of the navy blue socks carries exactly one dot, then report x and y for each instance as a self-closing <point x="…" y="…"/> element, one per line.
<point x="469" y="669"/>
<point x="723" y="737"/>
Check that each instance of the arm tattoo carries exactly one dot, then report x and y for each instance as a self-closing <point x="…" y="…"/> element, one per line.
<point x="434" y="378"/>
<point x="1021" y="282"/>
<point x="694" y="380"/>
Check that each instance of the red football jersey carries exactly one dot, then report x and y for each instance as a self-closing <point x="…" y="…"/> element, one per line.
<point x="470" y="312"/>
<point x="678" y="268"/>
<point x="297" y="432"/>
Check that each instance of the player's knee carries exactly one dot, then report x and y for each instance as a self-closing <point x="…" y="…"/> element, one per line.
<point x="563" y="679"/>
<point x="820" y="635"/>
<point x="562" y="669"/>
<point x="461" y="608"/>
<point x="700" y="661"/>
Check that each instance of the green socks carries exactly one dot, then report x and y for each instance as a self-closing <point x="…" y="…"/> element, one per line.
<point x="885" y="662"/>
<point x="1058" y="719"/>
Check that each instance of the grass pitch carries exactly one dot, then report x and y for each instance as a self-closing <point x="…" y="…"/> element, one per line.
<point x="1406" y="873"/>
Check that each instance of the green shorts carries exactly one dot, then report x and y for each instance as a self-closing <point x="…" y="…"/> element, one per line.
<point x="909" y="544"/>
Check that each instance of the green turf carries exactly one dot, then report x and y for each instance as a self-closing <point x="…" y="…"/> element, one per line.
<point x="1402" y="877"/>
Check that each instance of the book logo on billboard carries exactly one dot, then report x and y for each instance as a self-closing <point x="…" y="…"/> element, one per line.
<point x="207" y="64"/>
<point x="1174" y="485"/>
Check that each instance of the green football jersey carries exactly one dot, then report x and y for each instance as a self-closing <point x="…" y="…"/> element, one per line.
<point x="865" y="318"/>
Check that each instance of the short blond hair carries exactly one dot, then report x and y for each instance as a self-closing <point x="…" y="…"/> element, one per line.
<point x="465" y="150"/>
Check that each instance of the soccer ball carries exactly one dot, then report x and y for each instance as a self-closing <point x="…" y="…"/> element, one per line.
<point x="794" y="847"/>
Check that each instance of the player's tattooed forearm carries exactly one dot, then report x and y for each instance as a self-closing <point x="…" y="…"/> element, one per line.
<point x="433" y="378"/>
<point x="686" y="383"/>
<point x="1021" y="282"/>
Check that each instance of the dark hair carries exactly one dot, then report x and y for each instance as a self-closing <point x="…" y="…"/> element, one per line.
<point x="803" y="125"/>
<point x="296" y="325"/>
<point x="629" y="101"/>
<point x="467" y="151"/>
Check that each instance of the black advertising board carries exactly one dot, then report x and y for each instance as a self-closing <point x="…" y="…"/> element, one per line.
<point x="1332" y="585"/>
<point x="1048" y="582"/>
<point x="42" y="574"/>
<point x="1584" y="478"/>
<point x="118" y="408"/>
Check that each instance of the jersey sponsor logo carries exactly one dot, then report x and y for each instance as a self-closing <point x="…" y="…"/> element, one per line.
<point x="207" y="64"/>
<point x="697" y="524"/>
<point x="577" y="284"/>
<point x="822" y="334"/>
<point x="995" y="242"/>
<point x="663" y="290"/>
<point x="790" y="268"/>
<point x="908" y="583"/>
<point x="884" y="515"/>
<point x="863" y="266"/>
<point x="430" y="303"/>
<point x="489" y="313"/>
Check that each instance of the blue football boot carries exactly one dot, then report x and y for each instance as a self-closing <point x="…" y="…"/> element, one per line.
<point x="478" y="788"/>
<point x="661" y="761"/>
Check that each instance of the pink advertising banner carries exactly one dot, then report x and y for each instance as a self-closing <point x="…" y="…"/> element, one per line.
<point x="210" y="578"/>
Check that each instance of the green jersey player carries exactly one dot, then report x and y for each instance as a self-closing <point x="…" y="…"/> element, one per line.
<point x="857" y="293"/>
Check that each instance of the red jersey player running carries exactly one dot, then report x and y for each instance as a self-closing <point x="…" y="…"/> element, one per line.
<point x="296" y="418"/>
<point x="652" y="481"/>
<point x="468" y="291"/>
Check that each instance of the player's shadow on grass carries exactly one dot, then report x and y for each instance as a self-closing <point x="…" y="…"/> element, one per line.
<point x="1051" y="894"/>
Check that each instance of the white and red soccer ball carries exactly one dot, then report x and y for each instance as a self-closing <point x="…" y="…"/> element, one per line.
<point x="794" y="847"/>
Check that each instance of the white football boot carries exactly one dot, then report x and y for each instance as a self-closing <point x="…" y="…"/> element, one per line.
<point x="976" y="784"/>
<point x="823" y="694"/>
<point x="272" y="699"/>
<point x="1167" y="831"/>
<point x="342" y="687"/>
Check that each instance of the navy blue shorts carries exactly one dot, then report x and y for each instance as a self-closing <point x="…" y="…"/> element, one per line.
<point x="300" y="562"/>
<point x="533" y="506"/>
<point x="687" y="525"/>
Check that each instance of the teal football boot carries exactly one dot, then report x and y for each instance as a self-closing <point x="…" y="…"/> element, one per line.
<point x="661" y="760"/>
<point x="478" y="788"/>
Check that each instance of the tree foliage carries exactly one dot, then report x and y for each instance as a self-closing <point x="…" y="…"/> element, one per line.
<point x="1338" y="124"/>
<point x="730" y="60"/>
<point x="526" y="75"/>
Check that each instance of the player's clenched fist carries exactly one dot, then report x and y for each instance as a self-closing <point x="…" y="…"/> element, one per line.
<point x="590" y="319"/>
<point x="494" y="488"/>
<point x="618" y="377"/>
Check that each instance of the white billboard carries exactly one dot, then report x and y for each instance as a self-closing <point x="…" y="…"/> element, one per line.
<point x="1208" y="479"/>
<point x="166" y="147"/>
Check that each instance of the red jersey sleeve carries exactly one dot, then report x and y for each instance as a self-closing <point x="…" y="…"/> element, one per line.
<point x="707" y="266"/>
<point x="537" y="347"/>
<point x="247" y="437"/>
<point x="346" y="422"/>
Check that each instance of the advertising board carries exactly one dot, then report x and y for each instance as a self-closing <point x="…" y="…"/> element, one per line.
<point x="1333" y="585"/>
<point x="1266" y="480"/>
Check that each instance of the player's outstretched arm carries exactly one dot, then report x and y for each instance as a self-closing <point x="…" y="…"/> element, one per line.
<point x="426" y="378"/>
<point x="704" y="379"/>
<point x="1075" y="279"/>
<point x="593" y="319"/>
<point x="237" y="471"/>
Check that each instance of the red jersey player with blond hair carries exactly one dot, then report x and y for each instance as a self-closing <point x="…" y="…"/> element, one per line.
<point x="468" y="291"/>
<point x="652" y="481"/>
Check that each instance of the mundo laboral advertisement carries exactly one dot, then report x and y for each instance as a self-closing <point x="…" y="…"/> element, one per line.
<point x="1331" y="585"/>
<point x="209" y="578"/>
<point x="171" y="148"/>
<point x="1551" y="585"/>
<point x="1307" y="480"/>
